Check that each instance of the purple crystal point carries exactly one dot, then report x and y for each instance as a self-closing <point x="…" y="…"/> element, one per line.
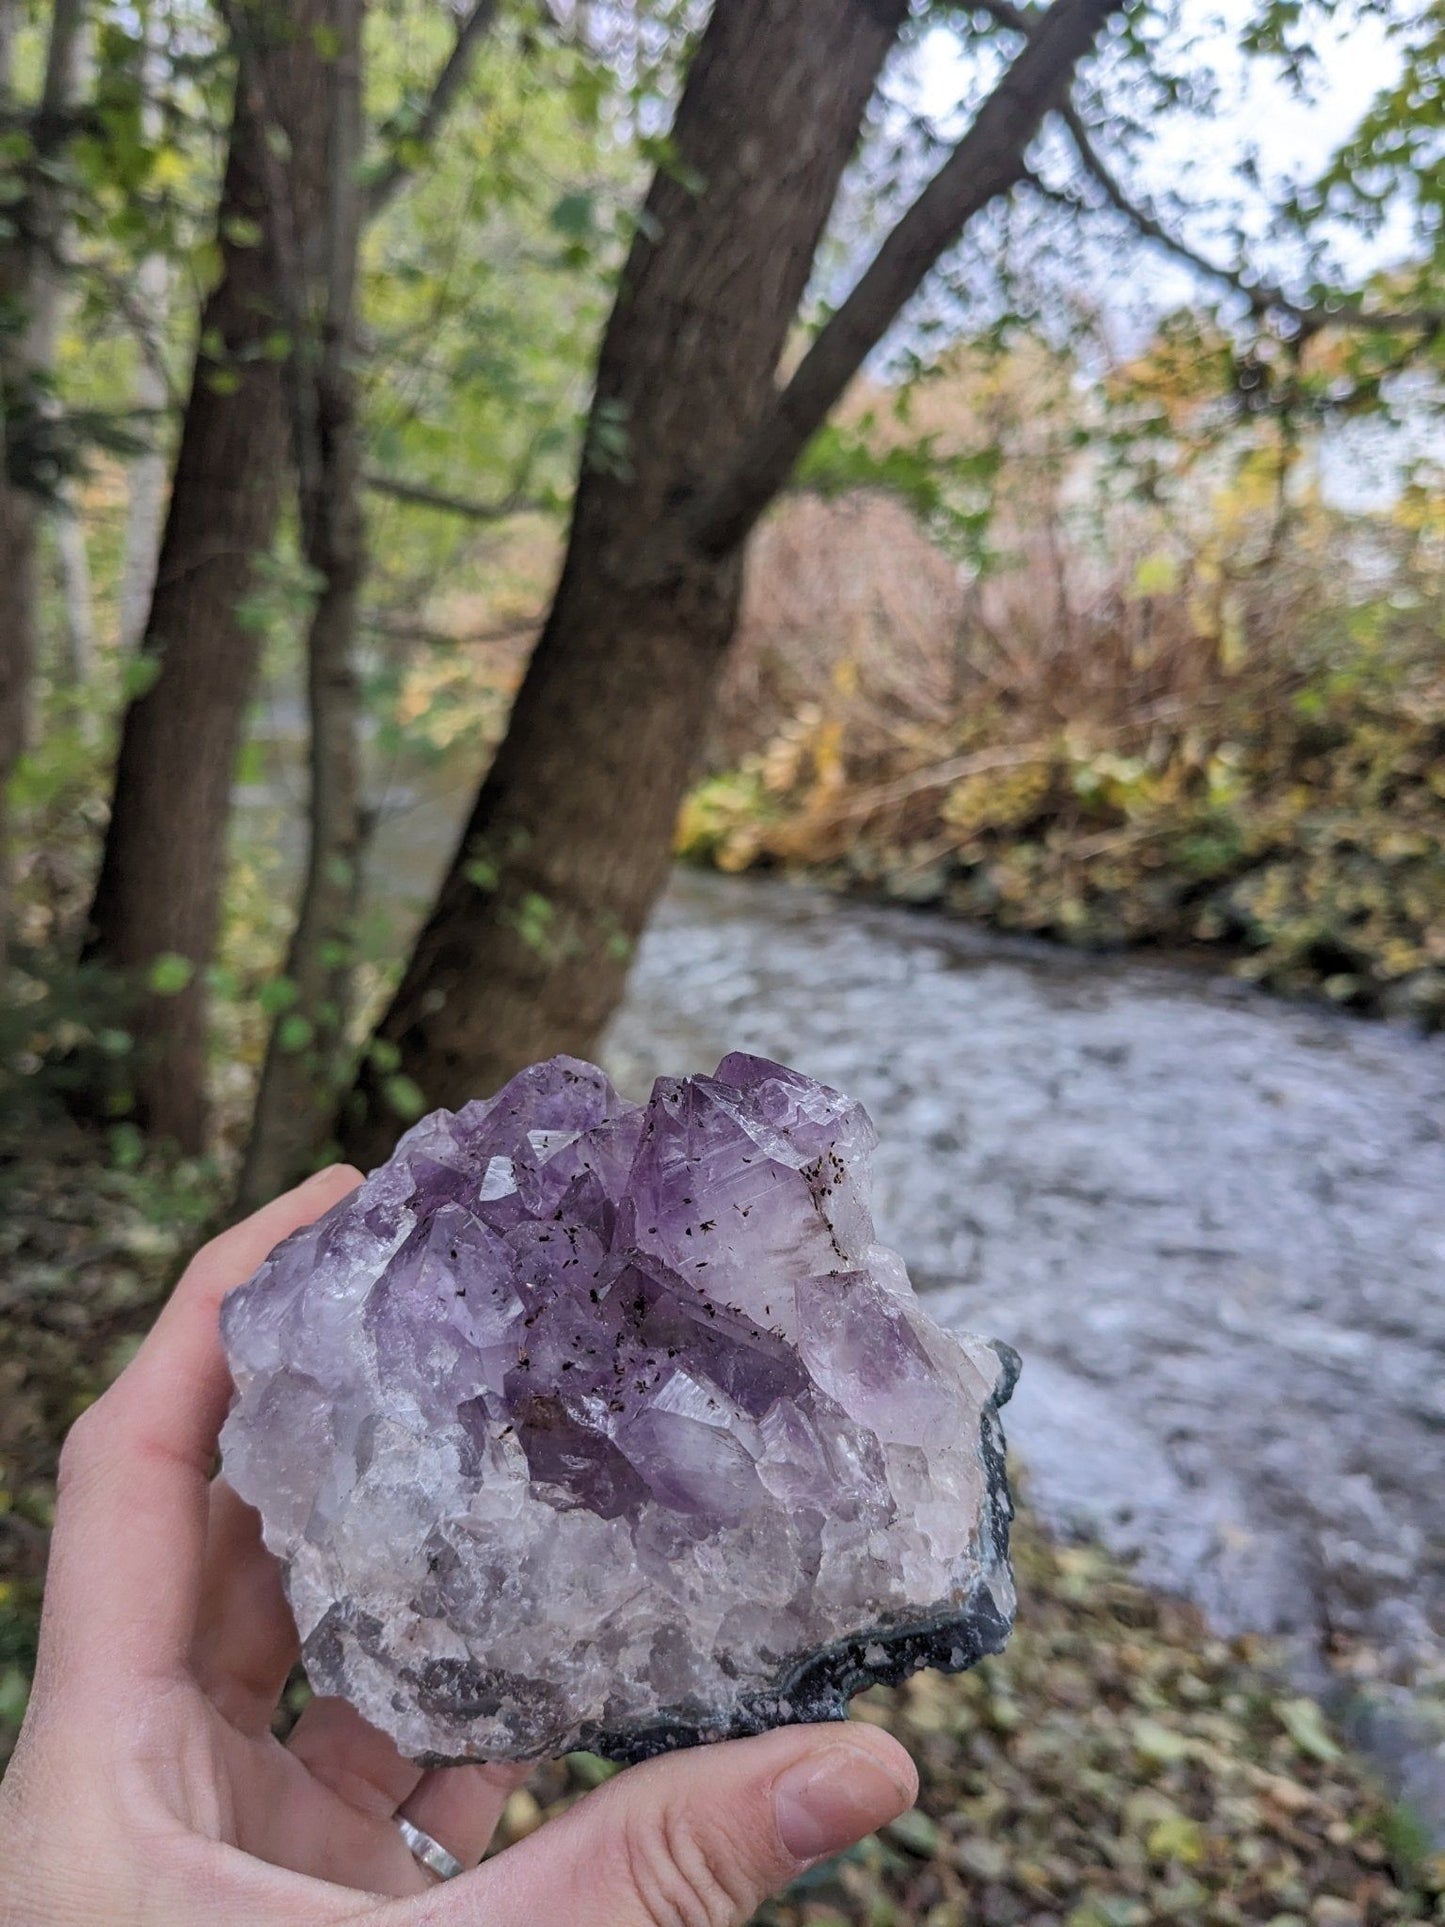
<point x="584" y="1423"/>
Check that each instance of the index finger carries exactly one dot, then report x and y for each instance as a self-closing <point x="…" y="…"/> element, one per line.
<point x="128" y="1552"/>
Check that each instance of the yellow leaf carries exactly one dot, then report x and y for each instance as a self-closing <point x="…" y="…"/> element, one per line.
<point x="1178" y="1838"/>
<point x="1156" y="574"/>
<point x="168" y="167"/>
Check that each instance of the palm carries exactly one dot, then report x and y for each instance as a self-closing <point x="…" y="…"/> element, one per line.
<point x="282" y="1810"/>
<point x="324" y="1802"/>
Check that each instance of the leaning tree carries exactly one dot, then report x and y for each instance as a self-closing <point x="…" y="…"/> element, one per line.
<point x="695" y="429"/>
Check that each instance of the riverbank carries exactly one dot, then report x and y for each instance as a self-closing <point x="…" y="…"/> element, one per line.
<point x="1259" y="781"/>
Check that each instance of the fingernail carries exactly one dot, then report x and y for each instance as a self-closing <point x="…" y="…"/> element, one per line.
<point x="329" y="1171"/>
<point x="823" y="1805"/>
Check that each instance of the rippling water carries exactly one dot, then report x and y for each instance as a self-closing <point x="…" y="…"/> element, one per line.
<point x="1212" y="1222"/>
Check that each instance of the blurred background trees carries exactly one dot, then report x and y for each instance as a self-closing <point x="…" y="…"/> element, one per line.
<point x="1097" y="578"/>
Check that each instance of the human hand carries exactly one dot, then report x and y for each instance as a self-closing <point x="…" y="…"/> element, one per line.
<point x="147" y="1786"/>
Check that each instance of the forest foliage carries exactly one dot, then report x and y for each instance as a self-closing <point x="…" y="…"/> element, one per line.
<point x="1073" y="638"/>
<point x="1212" y="722"/>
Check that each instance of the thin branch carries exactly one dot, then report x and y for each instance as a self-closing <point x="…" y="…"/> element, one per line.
<point x="283" y="242"/>
<point x="1264" y="297"/>
<point x="456" y="69"/>
<point x="420" y="496"/>
<point x="983" y="762"/>
<point x="60" y="62"/>
<point x="422" y="636"/>
<point x="986" y="163"/>
<point x="132" y="310"/>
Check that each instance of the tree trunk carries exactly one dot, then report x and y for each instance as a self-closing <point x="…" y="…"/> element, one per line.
<point x="146" y="503"/>
<point x="303" y="1069"/>
<point x="77" y="637"/>
<point x="18" y="622"/>
<point x="304" y="1065"/>
<point x="307" y="1052"/>
<point x="526" y="950"/>
<point x="29" y="300"/>
<point x="159" y="890"/>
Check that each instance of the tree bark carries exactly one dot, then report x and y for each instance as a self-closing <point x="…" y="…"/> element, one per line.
<point x="146" y="503"/>
<point x="159" y="889"/>
<point x="303" y="1068"/>
<point x="29" y="301"/>
<point x="18" y="624"/>
<point x="527" y="948"/>
<point x="77" y="638"/>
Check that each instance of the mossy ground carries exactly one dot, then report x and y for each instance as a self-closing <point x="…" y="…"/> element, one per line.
<point x="1116" y="1766"/>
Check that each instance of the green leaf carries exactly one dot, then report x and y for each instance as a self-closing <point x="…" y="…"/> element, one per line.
<point x="1305" y="1724"/>
<point x="140" y="676"/>
<point x="1158" y="1743"/>
<point x="280" y="994"/>
<point x="575" y="216"/>
<point x="294" y="1032"/>
<point x="127" y="1147"/>
<point x="14" y="1696"/>
<point x="251" y="765"/>
<point x="915" y="1832"/>
<point x="405" y="1097"/>
<point x="533" y="919"/>
<point x="1156" y="575"/>
<point x="589" y="1770"/>
<point x="384" y="1054"/>
<point x="170" y="973"/>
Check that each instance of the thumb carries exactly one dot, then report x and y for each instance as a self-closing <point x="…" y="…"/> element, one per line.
<point x="696" y="1839"/>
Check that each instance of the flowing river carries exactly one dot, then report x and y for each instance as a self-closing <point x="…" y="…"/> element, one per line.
<point x="1212" y="1222"/>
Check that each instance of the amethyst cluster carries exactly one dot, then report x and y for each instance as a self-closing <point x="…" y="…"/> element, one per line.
<point x="585" y="1423"/>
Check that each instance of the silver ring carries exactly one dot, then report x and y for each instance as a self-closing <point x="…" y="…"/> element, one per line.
<point x="431" y="1853"/>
